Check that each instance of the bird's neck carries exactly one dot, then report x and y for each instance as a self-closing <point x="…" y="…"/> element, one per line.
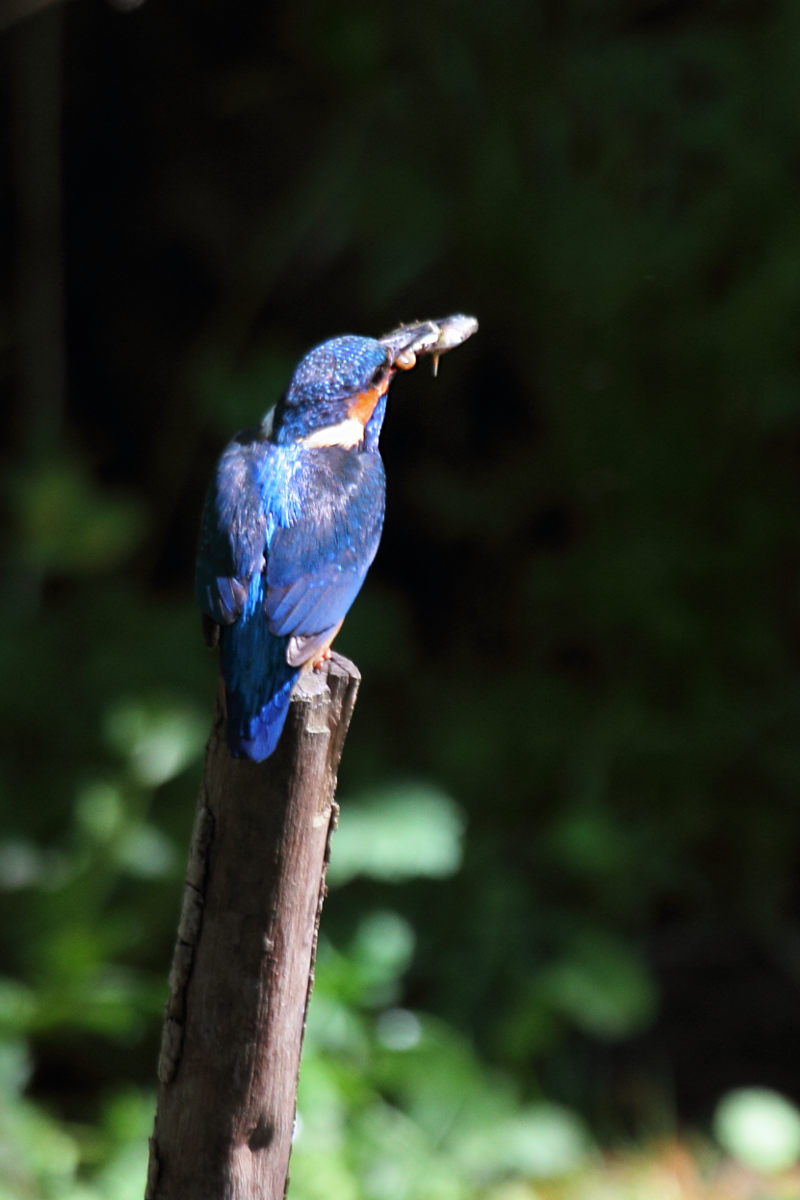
<point x="346" y="434"/>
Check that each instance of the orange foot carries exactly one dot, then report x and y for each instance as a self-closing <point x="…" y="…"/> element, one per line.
<point x="326" y="654"/>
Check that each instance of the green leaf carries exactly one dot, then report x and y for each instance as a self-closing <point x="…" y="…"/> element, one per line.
<point x="68" y="523"/>
<point x="601" y="986"/>
<point x="159" y="737"/>
<point x="406" y="832"/>
<point x="539" y="1141"/>
<point x="760" y="1127"/>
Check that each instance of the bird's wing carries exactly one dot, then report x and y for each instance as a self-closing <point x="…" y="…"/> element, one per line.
<point x="315" y="562"/>
<point x="316" y="565"/>
<point x="233" y="534"/>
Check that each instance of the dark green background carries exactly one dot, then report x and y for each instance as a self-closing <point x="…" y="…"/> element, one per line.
<point x="583" y="623"/>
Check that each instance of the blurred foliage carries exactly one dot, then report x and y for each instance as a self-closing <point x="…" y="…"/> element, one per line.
<point x="759" y="1127"/>
<point x="566" y="901"/>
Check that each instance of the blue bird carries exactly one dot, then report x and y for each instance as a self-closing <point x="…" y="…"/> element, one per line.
<point x="293" y="519"/>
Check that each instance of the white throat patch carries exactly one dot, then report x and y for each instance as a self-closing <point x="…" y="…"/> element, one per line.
<point x="347" y="433"/>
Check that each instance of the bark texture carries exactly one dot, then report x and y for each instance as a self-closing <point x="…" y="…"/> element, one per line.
<point x="243" y="964"/>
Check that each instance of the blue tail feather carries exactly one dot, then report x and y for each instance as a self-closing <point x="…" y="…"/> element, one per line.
<point x="258" y="685"/>
<point x="255" y="735"/>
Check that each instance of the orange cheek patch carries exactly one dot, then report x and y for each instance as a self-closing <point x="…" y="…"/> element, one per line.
<point x="363" y="405"/>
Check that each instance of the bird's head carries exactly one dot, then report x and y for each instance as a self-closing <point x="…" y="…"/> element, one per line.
<point x="337" y="395"/>
<point x="337" y="391"/>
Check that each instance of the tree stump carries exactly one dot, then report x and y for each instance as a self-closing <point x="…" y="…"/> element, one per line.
<point x="243" y="964"/>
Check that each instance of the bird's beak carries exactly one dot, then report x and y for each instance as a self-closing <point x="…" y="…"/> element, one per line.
<point x="406" y="343"/>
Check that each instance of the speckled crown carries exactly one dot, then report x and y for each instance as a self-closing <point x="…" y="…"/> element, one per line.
<point x="335" y="369"/>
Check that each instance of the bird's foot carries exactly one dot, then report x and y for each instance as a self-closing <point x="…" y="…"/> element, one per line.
<point x="324" y="657"/>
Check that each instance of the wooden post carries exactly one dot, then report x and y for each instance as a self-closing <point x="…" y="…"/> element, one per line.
<point x="243" y="964"/>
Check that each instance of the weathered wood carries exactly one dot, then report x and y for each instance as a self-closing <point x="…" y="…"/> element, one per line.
<point x="243" y="963"/>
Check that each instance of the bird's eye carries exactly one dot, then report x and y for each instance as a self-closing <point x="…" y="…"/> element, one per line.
<point x="377" y="376"/>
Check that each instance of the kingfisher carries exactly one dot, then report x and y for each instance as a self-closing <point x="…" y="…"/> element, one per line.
<point x="293" y="518"/>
